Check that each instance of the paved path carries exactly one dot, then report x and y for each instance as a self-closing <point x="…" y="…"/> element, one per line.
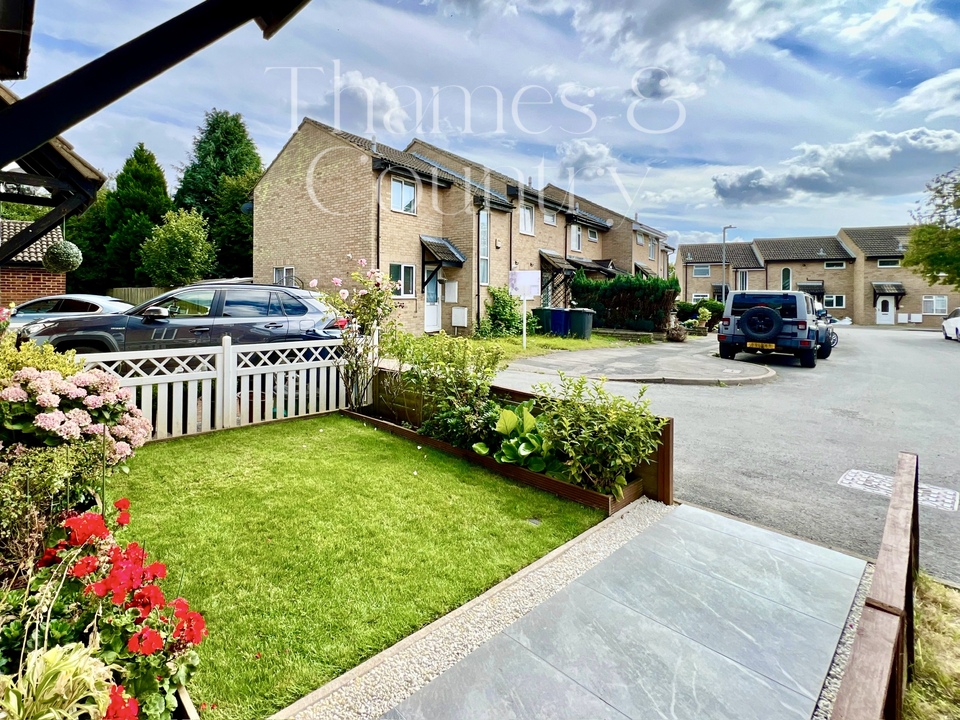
<point x="699" y="617"/>
<point x="689" y="363"/>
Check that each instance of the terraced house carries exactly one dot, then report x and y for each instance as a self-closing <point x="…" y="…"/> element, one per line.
<point x="856" y="273"/>
<point x="446" y="228"/>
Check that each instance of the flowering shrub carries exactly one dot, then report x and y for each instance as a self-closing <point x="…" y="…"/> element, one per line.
<point x="41" y="357"/>
<point x="89" y="589"/>
<point x="367" y="307"/>
<point x="5" y="314"/>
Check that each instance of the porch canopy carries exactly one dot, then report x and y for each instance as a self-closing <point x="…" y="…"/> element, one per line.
<point x="556" y="274"/>
<point x="889" y="288"/>
<point x="443" y="253"/>
<point x="813" y="287"/>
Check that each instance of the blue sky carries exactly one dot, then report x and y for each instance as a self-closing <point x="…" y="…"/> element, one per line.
<point x="781" y="118"/>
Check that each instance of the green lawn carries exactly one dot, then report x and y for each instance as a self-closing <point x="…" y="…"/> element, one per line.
<point x="312" y="545"/>
<point x="934" y="693"/>
<point x="542" y="344"/>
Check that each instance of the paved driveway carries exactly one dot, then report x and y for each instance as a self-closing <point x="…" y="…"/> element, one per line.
<point x="773" y="453"/>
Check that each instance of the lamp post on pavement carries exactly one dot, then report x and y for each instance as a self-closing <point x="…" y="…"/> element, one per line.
<point x="723" y="277"/>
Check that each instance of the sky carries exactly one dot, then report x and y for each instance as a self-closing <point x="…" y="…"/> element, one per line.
<point x="780" y="117"/>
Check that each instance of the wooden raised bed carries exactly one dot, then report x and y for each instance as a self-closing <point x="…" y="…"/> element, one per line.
<point x="653" y="479"/>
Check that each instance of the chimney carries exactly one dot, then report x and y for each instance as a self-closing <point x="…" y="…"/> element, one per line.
<point x="530" y="180"/>
<point x="373" y="147"/>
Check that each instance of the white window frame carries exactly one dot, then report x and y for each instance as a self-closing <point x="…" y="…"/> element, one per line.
<point x="396" y="200"/>
<point x="549" y="218"/>
<point x="527" y="211"/>
<point x="835" y="265"/>
<point x="697" y="297"/>
<point x="697" y="268"/>
<point x="888" y="263"/>
<point x="745" y="276"/>
<point x="576" y="238"/>
<point x="593" y="235"/>
<point x="484" y="247"/>
<point x="639" y="239"/>
<point x="934" y="300"/>
<point x="835" y="302"/>
<point x="652" y="253"/>
<point x="789" y="278"/>
<point x="286" y="271"/>
<point x="404" y="267"/>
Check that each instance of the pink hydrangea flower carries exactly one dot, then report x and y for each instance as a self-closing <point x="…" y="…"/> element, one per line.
<point x="94" y="429"/>
<point x="49" y="420"/>
<point x="79" y="416"/>
<point x="93" y="401"/>
<point x="69" y="430"/>
<point x="124" y="394"/>
<point x="48" y="400"/>
<point x="26" y="374"/>
<point x="84" y="379"/>
<point x="14" y="393"/>
<point x="337" y="282"/>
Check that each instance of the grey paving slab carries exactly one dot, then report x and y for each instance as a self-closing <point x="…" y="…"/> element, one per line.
<point x="503" y="681"/>
<point x="784" y="645"/>
<point x="645" y="669"/>
<point x="816" y="554"/>
<point x="812" y="589"/>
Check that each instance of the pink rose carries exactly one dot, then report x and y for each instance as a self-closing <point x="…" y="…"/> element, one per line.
<point x="337" y="282"/>
<point x="363" y="262"/>
<point x="314" y="283"/>
<point x="344" y="294"/>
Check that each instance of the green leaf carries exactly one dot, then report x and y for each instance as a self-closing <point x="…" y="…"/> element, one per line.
<point x="529" y="421"/>
<point x="507" y="423"/>
<point x="525" y="449"/>
<point x="536" y="464"/>
<point x="481" y="448"/>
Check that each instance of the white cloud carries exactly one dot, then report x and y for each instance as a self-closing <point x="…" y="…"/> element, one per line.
<point x="584" y="159"/>
<point x="368" y="103"/>
<point x="874" y="163"/>
<point x="937" y="97"/>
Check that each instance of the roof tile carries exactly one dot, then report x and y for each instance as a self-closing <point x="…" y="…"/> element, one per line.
<point x="888" y="241"/>
<point x="33" y="255"/>
<point x="740" y="255"/>
<point x="821" y="247"/>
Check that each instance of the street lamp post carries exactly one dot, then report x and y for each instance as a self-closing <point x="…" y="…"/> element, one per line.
<point x="723" y="277"/>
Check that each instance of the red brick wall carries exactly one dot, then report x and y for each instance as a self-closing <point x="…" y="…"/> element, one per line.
<point x="19" y="284"/>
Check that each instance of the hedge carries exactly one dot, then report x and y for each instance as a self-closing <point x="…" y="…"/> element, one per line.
<point x="627" y="302"/>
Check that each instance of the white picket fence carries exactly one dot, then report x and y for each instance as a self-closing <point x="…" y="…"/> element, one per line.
<point x="186" y="392"/>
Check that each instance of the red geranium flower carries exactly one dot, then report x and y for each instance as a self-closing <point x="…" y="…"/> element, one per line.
<point x="86" y="526"/>
<point x="120" y="707"/>
<point x="145" y="642"/>
<point x="50" y="556"/>
<point x="85" y="566"/>
<point x="146" y="599"/>
<point x="192" y="628"/>
<point x="123" y="518"/>
<point x="122" y="504"/>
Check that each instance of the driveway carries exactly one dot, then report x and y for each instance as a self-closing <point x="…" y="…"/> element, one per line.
<point x="773" y="453"/>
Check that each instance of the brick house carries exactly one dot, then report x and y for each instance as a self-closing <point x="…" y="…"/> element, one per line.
<point x="23" y="277"/>
<point x="855" y="274"/>
<point x="444" y="226"/>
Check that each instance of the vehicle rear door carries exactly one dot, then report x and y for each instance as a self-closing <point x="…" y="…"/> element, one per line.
<point x="250" y="316"/>
<point x="189" y="324"/>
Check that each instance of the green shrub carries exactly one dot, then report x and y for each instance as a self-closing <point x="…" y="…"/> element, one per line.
<point x="599" y="437"/>
<point x="464" y="425"/>
<point x="715" y="308"/>
<point x="626" y="301"/>
<point x="686" y="311"/>
<point x="42" y="357"/>
<point x="504" y="316"/>
<point x="522" y="442"/>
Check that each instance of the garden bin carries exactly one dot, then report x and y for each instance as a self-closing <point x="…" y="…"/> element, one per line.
<point x="542" y="315"/>
<point x="560" y="321"/>
<point x="581" y="322"/>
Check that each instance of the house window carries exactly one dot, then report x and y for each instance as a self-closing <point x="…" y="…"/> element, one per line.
<point x="893" y="262"/>
<point x="743" y="280"/>
<point x="786" y="279"/>
<point x="526" y="219"/>
<point x="576" y="238"/>
<point x="403" y="196"/>
<point x="484" y="248"/>
<point x="592" y="235"/>
<point x="697" y="297"/>
<point x="549" y="218"/>
<point x="835" y="265"/>
<point x="934" y="304"/>
<point x="834" y="301"/>
<point x="653" y="251"/>
<point x="639" y="238"/>
<point x="701" y="271"/>
<point x="283" y="276"/>
<point x="404" y="275"/>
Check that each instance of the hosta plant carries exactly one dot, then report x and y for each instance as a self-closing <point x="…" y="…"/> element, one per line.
<point x="523" y="443"/>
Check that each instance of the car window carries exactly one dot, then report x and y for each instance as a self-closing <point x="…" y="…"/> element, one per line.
<point x="275" y="309"/>
<point x="70" y="305"/>
<point x="955" y="313"/>
<point x="247" y="303"/>
<point x="189" y="303"/>
<point x="292" y="306"/>
<point x="38" y="306"/>
<point x="786" y="305"/>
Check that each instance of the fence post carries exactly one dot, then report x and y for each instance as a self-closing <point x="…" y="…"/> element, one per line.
<point x="227" y="397"/>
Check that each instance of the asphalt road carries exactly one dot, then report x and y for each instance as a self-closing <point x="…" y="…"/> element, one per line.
<point x="772" y="454"/>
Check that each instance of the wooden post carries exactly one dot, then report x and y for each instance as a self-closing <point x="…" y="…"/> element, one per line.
<point x="665" y="464"/>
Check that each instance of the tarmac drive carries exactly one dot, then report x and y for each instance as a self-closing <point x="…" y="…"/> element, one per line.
<point x="772" y="453"/>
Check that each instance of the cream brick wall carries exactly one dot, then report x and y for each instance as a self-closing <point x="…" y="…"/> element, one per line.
<point x="912" y="302"/>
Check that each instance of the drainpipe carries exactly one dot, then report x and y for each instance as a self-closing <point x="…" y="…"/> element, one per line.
<point x="510" y="242"/>
<point x="477" y="263"/>
<point x="379" y="265"/>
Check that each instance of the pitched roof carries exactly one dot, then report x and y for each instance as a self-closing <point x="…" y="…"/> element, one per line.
<point x="740" y="255"/>
<point x="889" y="288"/>
<point x="443" y="250"/>
<point x="888" y="241"/>
<point x="33" y="254"/>
<point x="821" y="247"/>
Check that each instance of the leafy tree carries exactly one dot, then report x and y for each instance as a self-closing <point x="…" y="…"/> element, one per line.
<point x="90" y="233"/>
<point x="934" y="250"/>
<point x="178" y="252"/>
<point x="131" y="212"/>
<point x="231" y="230"/>
<point x="19" y="211"/>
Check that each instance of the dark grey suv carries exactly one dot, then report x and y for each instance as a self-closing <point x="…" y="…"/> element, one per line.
<point x="193" y="316"/>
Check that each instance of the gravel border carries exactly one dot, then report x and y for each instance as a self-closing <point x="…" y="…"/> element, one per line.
<point x="831" y="685"/>
<point x="385" y="680"/>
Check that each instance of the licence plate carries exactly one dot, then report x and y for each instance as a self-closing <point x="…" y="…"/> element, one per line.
<point x="762" y="346"/>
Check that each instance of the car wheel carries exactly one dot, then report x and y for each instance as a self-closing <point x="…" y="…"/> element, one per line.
<point x="824" y="351"/>
<point x="808" y="358"/>
<point x="945" y="336"/>
<point x="761" y="324"/>
<point x="728" y="352"/>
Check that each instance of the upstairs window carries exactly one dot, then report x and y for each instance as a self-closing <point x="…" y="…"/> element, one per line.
<point x="403" y="196"/>
<point x="484" y="248"/>
<point x="549" y="218"/>
<point x="576" y="238"/>
<point x="701" y="271"/>
<point x="526" y="219"/>
<point x="652" y="254"/>
<point x="639" y="238"/>
<point x="834" y="265"/>
<point x="888" y="263"/>
<point x="593" y="235"/>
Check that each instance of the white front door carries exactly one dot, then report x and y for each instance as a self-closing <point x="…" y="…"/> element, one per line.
<point x="431" y="313"/>
<point x="886" y="307"/>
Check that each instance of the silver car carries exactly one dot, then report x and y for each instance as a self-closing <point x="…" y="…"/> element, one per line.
<point x="59" y="306"/>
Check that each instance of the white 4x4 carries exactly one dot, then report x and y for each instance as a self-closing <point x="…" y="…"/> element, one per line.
<point x="769" y="321"/>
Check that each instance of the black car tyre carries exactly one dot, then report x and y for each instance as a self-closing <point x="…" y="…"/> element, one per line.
<point x="761" y="324"/>
<point x="808" y="358"/>
<point x="727" y="351"/>
<point x="824" y="351"/>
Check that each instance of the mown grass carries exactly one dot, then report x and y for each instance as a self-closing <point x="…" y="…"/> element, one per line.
<point x="934" y="693"/>
<point x="542" y="344"/>
<point x="312" y="545"/>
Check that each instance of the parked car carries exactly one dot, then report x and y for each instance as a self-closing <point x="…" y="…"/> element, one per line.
<point x="951" y="325"/>
<point x="57" y="306"/>
<point x="770" y="321"/>
<point x="191" y="317"/>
